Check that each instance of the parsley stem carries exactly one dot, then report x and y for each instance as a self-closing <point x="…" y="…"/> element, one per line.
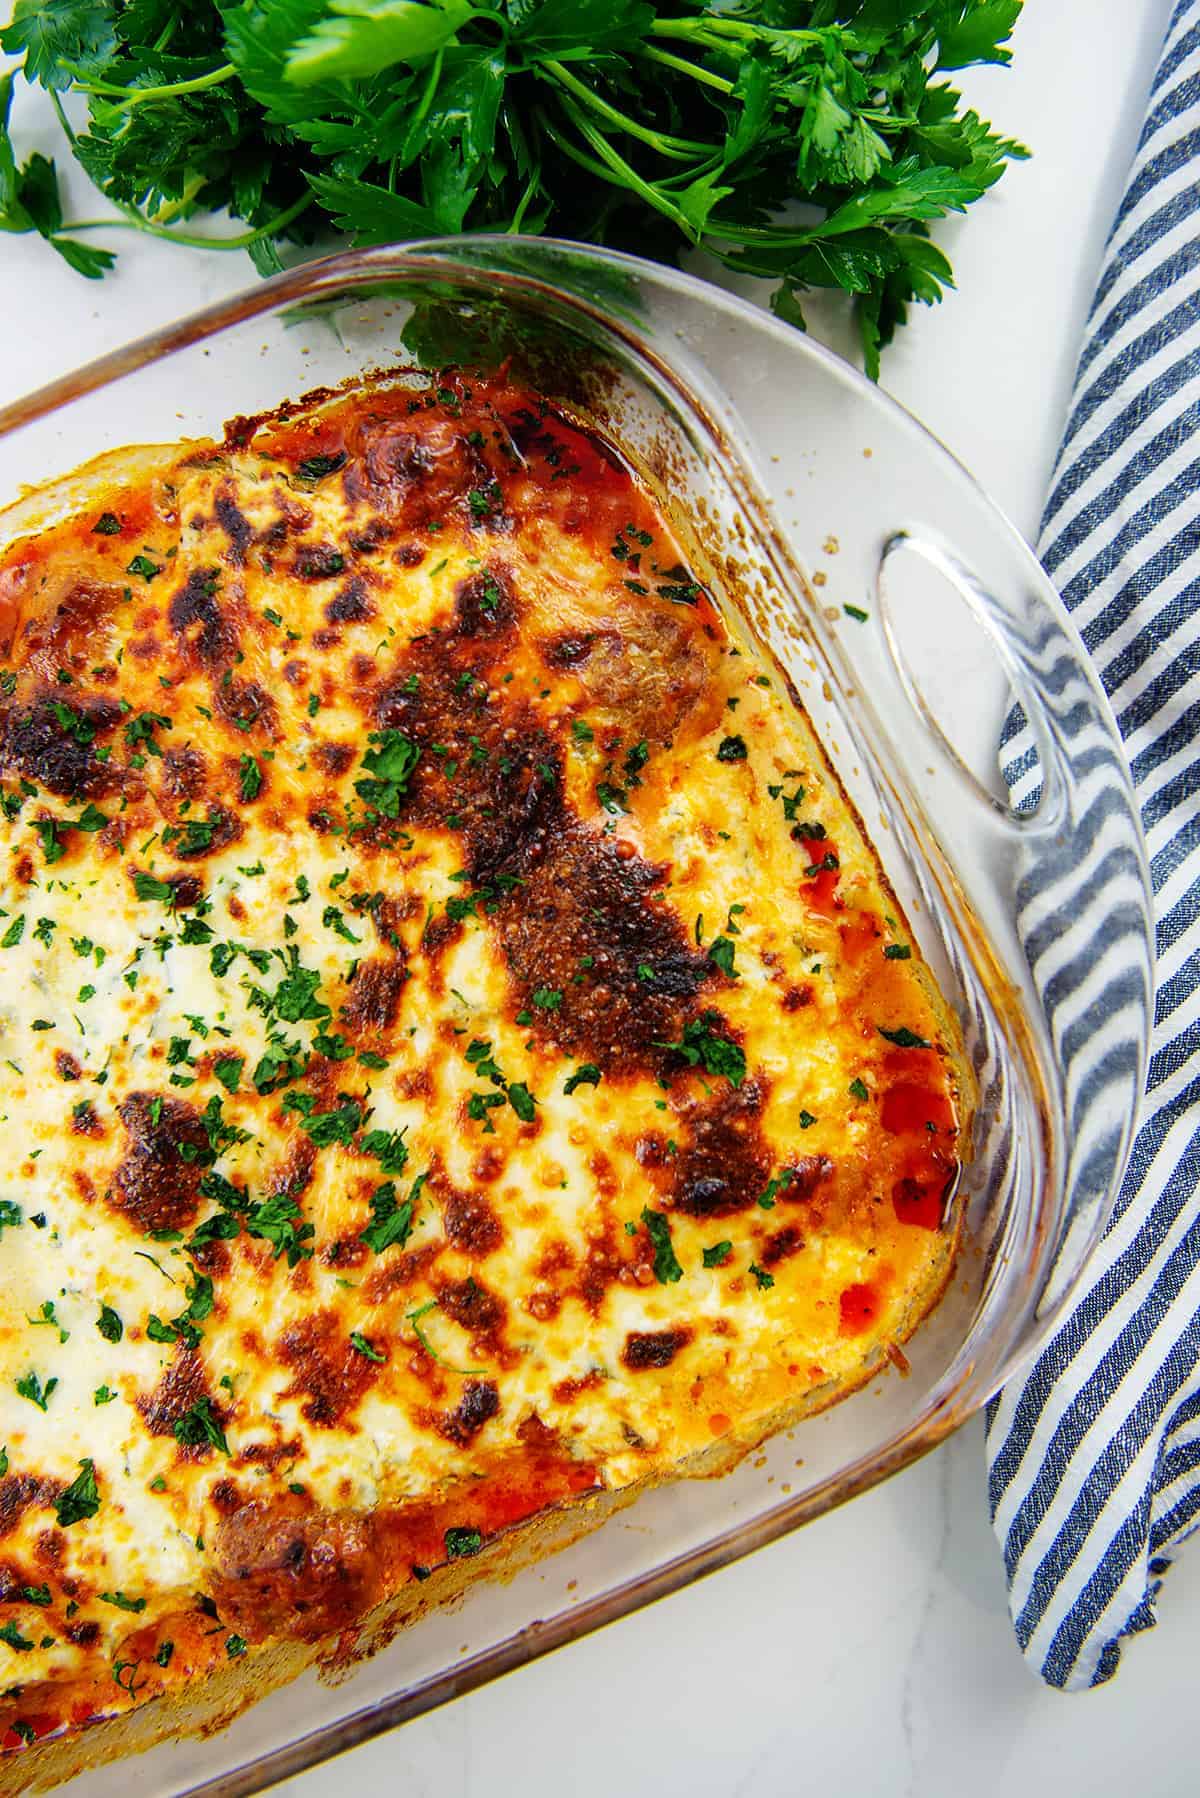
<point x="531" y="187"/>
<point x="431" y="86"/>
<point x="620" y="170"/>
<point x="135" y="96"/>
<point x="64" y="121"/>
<point x="134" y="221"/>
<point x="705" y="76"/>
<point x="679" y="148"/>
<point x="709" y="31"/>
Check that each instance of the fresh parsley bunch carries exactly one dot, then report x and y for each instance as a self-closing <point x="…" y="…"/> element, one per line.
<point x="609" y="121"/>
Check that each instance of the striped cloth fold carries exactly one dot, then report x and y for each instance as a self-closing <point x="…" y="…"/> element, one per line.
<point x="1094" y="1453"/>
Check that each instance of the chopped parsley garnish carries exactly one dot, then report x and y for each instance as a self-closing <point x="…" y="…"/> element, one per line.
<point x="148" y="887"/>
<point x="587" y="1074"/>
<point x="234" y="1646"/>
<point x="122" y="1601"/>
<point x="333" y="920"/>
<point x="635" y="761"/>
<point x="228" y="1070"/>
<point x="107" y="525"/>
<point x="103" y="1395"/>
<point x="856" y="612"/>
<point x="460" y="1543"/>
<point x="74" y="724"/>
<point x="484" y="501"/>
<point x="721" y="952"/>
<point x="391" y="1223"/>
<point x="701" y="1044"/>
<point x="139" y="732"/>
<point x="294" y="999"/>
<point x="904" y="1038"/>
<point x="388" y="1147"/>
<point x="897" y="952"/>
<point x="358" y="1341"/>
<point x="389" y="766"/>
<point x="522" y="1101"/>
<point x="666" y="1263"/>
<point x="858" y="1089"/>
<point x="280" y="1064"/>
<point x="762" y="1279"/>
<point x="10" y="1215"/>
<point x="277" y="1220"/>
<point x="610" y="797"/>
<point x="13" y="934"/>
<point x="109" y="1324"/>
<point x="807" y="1120"/>
<point x="30" y="1386"/>
<point x="315" y="468"/>
<point x="53" y="847"/>
<point x="326" y="1127"/>
<point x="732" y="749"/>
<point x="776" y="1184"/>
<point x="145" y="567"/>
<point x="198" y="1428"/>
<point x="250" y="778"/>
<point x="12" y="1635"/>
<point x="547" y="998"/>
<point x="81" y="1498"/>
<point x="828" y="864"/>
<point x="718" y="1254"/>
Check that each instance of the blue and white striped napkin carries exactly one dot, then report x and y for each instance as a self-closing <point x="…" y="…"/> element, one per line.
<point x="1094" y="1456"/>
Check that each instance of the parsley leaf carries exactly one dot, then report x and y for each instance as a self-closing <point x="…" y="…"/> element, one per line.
<point x="666" y="1263"/>
<point x="81" y="1498"/>
<point x="701" y="1044"/>
<point x="389" y="766"/>
<point x="199" y="1428"/>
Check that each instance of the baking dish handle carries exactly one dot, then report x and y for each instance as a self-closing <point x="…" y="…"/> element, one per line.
<point x="1077" y="875"/>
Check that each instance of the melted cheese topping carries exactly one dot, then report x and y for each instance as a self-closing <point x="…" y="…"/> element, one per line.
<point x="456" y="1047"/>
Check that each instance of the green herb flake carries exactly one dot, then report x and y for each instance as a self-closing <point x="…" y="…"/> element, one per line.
<point x="109" y="1324"/>
<point x="250" y="778"/>
<point x="81" y="1498"/>
<point x="199" y="1427"/>
<point x="666" y="1263"/>
<point x="904" y="1038"/>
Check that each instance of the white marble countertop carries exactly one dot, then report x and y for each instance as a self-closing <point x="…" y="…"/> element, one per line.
<point x="871" y="1652"/>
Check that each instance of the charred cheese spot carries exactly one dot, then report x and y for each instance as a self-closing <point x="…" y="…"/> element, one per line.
<point x="653" y="1348"/>
<point x="156" y="1184"/>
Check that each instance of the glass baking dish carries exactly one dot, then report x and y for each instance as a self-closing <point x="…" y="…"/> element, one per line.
<point x="906" y="612"/>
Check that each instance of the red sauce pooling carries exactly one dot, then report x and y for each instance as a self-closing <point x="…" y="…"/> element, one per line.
<point x="860" y="1306"/>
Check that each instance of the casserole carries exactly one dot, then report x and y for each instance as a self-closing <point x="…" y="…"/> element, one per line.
<point x="960" y="862"/>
